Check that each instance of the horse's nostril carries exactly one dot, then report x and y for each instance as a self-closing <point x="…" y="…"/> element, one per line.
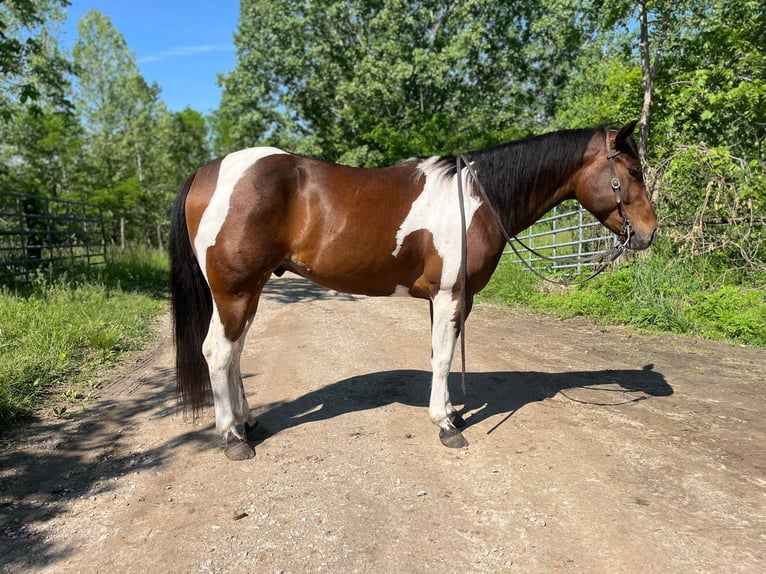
<point x="653" y="236"/>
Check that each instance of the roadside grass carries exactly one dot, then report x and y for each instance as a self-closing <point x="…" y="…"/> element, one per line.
<point x="55" y="333"/>
<point x="656" y="293"/>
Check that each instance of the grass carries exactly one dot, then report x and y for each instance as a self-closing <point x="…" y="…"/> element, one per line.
<point x="655" y="293"/>
<point x="56" y="333"/>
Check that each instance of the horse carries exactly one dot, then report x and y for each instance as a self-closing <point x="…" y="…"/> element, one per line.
<point x="433" y="228"/>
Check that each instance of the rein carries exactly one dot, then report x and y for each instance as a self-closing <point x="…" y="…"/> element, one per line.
<point x="608" y="257"/>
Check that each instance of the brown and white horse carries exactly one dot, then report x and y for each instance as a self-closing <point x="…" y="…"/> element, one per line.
<point x="388" y="231"/>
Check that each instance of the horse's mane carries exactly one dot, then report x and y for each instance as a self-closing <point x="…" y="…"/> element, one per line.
<point x="510" y="172"/>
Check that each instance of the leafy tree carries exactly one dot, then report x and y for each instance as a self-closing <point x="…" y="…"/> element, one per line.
<point x="107" y="83"/>
<point x="119" y="113"/>
<point x="43" y="147"/>
<point x="32" y="68"/>
<point x="371" y="81"/>
<point x="38" y="134"/>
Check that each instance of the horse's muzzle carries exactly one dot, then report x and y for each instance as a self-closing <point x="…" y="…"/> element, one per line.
<point x="642" y="240"/>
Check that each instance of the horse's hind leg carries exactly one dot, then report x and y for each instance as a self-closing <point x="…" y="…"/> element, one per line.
<point x="232" y="412"/>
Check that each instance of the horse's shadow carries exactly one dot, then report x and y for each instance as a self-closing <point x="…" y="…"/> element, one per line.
<point x="489" y="394"/>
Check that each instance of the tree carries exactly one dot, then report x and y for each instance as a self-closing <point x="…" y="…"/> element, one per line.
<point x="119" y="112"/>
<point x="32" y="69"/>
<point x="44" y="146"/>
<point x="371" y="81"/>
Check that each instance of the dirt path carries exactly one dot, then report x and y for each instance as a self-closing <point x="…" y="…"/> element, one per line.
<point x="592" y="450"/>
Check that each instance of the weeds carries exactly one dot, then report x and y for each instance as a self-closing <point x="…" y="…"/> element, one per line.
<point x="656" y="293"/>
<point x="54" y="333"/>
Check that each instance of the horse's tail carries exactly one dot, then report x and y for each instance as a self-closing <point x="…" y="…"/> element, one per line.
<point x="192" y="306"/>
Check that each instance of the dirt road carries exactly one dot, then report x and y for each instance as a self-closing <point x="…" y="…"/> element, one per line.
<point x="592" y="450"/>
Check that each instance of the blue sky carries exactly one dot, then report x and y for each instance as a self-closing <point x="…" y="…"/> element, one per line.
<point x="181" y="44"/>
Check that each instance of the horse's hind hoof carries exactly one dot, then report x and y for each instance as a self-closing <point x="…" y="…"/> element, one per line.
<point x="237" y="449"/>
<point x="256" y="432"/>
<point x="452" y="438"/>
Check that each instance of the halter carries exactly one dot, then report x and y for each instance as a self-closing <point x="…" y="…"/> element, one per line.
<point x="608" y="257"/>
<point x="627" y="228"/>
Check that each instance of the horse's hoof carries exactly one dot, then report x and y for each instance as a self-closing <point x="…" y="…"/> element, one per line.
<point x="237" y="449"/>
<point x="256" y="432"/>
<point x="452" y="438"/>
<point x="457" y="420"/>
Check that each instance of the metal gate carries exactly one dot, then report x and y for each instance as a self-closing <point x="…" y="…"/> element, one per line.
<point x="44" y="234"/>
<point x="566" y="233"/>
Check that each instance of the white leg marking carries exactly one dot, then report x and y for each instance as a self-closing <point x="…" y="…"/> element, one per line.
<point x="443" y="337"/>
<point x="437" y="210"/>
<point x="231" y="170"/>
<point x="222" y="358"/>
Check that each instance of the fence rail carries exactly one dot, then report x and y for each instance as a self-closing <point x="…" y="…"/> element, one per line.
<point x="566" y="234"/>
<point x="48" y="234"/>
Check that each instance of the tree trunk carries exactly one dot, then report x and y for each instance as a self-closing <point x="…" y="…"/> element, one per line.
<point x="648" y="73"/>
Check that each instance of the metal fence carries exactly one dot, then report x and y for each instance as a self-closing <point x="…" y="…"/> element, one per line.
<point x="43" y="234"/>
<point x="567" y="234"/>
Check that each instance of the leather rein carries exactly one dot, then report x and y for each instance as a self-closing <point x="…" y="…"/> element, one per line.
<point x="607" y="257"/>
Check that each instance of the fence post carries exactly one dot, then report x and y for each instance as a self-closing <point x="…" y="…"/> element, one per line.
<point x="555" y="236"/>
<point x="23" y="235"/>
<point x="529" y="242"/>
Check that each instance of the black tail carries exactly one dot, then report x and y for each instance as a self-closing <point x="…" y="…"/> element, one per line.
<point x="192" y="309"/>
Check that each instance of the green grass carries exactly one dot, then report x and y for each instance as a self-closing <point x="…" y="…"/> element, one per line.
<point x="56" y="333"/>
<point x="656" y="293"/>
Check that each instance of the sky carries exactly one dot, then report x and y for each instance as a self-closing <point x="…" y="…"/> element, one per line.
<point x="181" y="44"/>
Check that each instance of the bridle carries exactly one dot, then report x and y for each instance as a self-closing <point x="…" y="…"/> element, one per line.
<point x="607" y="257"/>
<point x="627" y="228"/>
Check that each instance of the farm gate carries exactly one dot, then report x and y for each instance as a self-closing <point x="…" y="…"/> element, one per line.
<point x="568" y="234"/>
<point x="44" y="234"/>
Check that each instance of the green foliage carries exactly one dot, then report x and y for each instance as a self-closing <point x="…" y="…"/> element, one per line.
<point x="54" y="334"/>
<point x="719" y="202"/>
<point x="32" y="69"/>
<point x="655" y="293"/>
<point x="371" y="82"/>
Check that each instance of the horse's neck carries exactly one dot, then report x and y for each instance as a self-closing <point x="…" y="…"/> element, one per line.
<point x="530" y="205"/>
<point x="526" y="179"/>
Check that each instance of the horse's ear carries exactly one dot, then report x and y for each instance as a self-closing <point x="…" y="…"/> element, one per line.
<point x="625" y="132"/>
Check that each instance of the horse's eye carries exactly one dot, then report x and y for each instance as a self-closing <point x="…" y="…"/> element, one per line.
<point x="635" y="173"/>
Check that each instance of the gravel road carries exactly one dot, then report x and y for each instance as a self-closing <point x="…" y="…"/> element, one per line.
<point x="591" y="450"/>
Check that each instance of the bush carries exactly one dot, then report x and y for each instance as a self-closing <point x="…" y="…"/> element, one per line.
<point x="658" y="293"/>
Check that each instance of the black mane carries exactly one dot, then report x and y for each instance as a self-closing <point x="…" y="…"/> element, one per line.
<point x="511" y="172"/>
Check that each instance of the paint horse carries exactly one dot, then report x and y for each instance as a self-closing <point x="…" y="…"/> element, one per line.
<point x="380" y="232"/>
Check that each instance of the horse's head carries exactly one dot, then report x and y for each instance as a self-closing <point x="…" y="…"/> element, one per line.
<point x="611" y="187"/>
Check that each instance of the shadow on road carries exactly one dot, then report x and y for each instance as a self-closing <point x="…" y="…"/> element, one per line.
<point x="56" y="462"/>
<point x="489" y="394"/>
<point x="295" y="289"/>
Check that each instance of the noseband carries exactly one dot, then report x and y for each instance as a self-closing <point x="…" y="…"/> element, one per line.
<point x="608" y="257"/>
<point x="627" y="228"/>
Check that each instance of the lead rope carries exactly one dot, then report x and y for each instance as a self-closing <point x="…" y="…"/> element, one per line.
<point x="463" y="270"/>
<point x="611" y="256"/>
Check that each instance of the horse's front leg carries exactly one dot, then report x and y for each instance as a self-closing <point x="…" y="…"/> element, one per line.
<point x="444" y="331"/>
